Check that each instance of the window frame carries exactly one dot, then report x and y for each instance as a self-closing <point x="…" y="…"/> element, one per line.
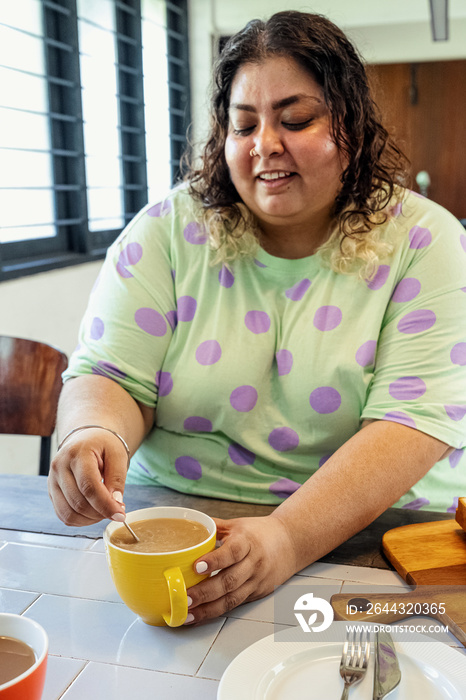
<point x="74" y="243"/>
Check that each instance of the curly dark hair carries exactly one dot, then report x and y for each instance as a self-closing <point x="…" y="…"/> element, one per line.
<point x="376" y="166"/>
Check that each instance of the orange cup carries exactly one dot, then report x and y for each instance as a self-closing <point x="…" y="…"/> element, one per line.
<point x="29" y="684"/>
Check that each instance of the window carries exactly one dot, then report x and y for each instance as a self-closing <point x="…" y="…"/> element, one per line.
<point x="94" y="107"/>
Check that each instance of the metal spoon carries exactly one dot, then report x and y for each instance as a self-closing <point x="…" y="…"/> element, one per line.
<point x="118" y="496"/>
<point x="130" y="529"/>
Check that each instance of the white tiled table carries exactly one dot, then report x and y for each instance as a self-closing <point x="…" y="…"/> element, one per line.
<point x="99" y="649"/>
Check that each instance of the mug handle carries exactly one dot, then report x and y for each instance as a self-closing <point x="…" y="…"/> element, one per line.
<point x="178" y="597"/>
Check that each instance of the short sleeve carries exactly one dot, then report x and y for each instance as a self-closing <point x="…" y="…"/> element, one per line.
<point x="131" y="314"/>
<point x="420" y="369"/>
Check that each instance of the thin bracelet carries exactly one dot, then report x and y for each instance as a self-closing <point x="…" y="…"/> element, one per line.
<point x="102" y="427"/>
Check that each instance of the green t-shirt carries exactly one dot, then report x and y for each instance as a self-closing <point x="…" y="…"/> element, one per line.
<point x="261" y="371"/>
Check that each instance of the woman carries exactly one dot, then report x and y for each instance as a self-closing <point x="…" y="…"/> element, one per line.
<point x="293" y="314"/>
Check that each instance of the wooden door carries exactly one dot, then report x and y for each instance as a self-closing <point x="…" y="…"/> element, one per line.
<point x="424" y="107"/>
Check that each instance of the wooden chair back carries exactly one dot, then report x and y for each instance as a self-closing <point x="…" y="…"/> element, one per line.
<point x="30" y="384"/>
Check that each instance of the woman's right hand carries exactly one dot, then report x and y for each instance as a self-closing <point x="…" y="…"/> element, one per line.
<point x="87" y="478"/>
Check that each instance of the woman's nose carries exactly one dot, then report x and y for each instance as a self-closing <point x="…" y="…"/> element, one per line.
<point x="268" y="142"/>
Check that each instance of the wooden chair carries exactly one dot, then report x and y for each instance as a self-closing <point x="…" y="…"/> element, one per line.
<point x="30" y="384"/>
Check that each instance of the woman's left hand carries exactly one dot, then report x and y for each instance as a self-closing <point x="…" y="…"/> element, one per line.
<point x="256" y="556"/>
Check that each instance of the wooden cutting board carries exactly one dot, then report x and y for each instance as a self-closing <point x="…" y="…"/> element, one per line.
<point x="432" y="558"/>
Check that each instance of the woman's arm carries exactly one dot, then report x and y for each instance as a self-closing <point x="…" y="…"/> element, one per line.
<point x="369" y="473"/>
<point x="92" y="463"/>
<point x="359" y="482"/>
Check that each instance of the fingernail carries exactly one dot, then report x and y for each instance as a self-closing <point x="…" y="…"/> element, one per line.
<point x="190" y="618"/>
<point x="201" y="567"/>
<point x="190" y="601"/>
<point x="118" y="496"/>
<point x="119" y="517"/>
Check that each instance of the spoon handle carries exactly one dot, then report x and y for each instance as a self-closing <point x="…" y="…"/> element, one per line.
<point x="136" y="538"/>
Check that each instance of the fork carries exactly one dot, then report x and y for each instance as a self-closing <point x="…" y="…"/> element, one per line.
<point x="354" y="659"/>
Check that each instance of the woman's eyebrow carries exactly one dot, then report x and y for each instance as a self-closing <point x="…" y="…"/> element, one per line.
<point x="293" y="99"/>
<point x="279" y="104"/>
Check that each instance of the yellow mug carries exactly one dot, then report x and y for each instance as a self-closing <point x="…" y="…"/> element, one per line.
<point x="153" y="584"/>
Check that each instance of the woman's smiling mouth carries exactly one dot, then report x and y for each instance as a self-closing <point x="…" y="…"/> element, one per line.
<point x="274" y="175"/>
<point x="275" y="178"/>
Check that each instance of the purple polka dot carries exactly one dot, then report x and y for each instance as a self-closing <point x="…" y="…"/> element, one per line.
<point x="458" y="354"/>
<point x="164" y="382"/>
<point x="284" y="487"/>
<point x="463" y="289"/>
<point x="131" y="254"/>
<point x="172" y="318"/>
<point x="123" y="272"/>
<point x="380" y="277"/>
<point x="456" y="412"/>
<point x="283" y="439"/>
<point x="406" y="289"/>
<point x="144" y="469"/>
<point x="397" y="209"/>
<point x="240" y="455"/>
<point x="197" y="424"/>
<point x="160" y="209"/>
<point x="400" y="417"/>
<point x="284" y="361"/>
<point x="325" y="399"/>
<point x="188" y="467"/>
<point x="97" y="328"/>
<point x="225" y="277"/>
<point x="463" y="241"/>
<point x="327" y="318"/>
<point x="209" y="352"/>
<point x="99" y="372"/>
<point x="243" y="398"/>
<point x="324" y="459"/>
<point x="455" y="457"/>
<point x="195" y="233"/>
<point x="112" y="369"/>
<point x="150" y="321"/>
<point x="365" y="354"/>
<point x="416" y="504"/>
<point x="454" y="506"/>
<point x="259" y="263"/>
<point x="186" y="308"/>
<point x="298" y="290"/>
<point x="407" y="388"/>
<point x="419" y="237"/>
<point x="416" y="321"/>
<point x="257" y="321"/>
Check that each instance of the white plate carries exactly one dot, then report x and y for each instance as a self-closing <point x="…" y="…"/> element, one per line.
<point x="293" y="668"/>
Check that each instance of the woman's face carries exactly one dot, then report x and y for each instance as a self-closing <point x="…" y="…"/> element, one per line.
<point x="277" y="108"/>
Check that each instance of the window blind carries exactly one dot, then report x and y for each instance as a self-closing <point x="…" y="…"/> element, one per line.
<point x="94" y="106"/>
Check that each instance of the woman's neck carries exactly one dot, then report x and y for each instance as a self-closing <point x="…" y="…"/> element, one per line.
<point x="293" y="242"/>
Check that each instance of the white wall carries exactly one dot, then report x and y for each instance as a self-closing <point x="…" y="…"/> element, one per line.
<point x="46" y="307"/>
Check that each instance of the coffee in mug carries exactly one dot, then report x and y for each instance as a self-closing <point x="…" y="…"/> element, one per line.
<point x="23" y="658"/>
<point x="16" y="657"/>
<point x="153" y="583"/>
<point x="161" y="535"/>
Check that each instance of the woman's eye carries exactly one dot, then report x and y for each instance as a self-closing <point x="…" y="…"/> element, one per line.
<point x="296" y="126"/>
<point x="243" y="131"/>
